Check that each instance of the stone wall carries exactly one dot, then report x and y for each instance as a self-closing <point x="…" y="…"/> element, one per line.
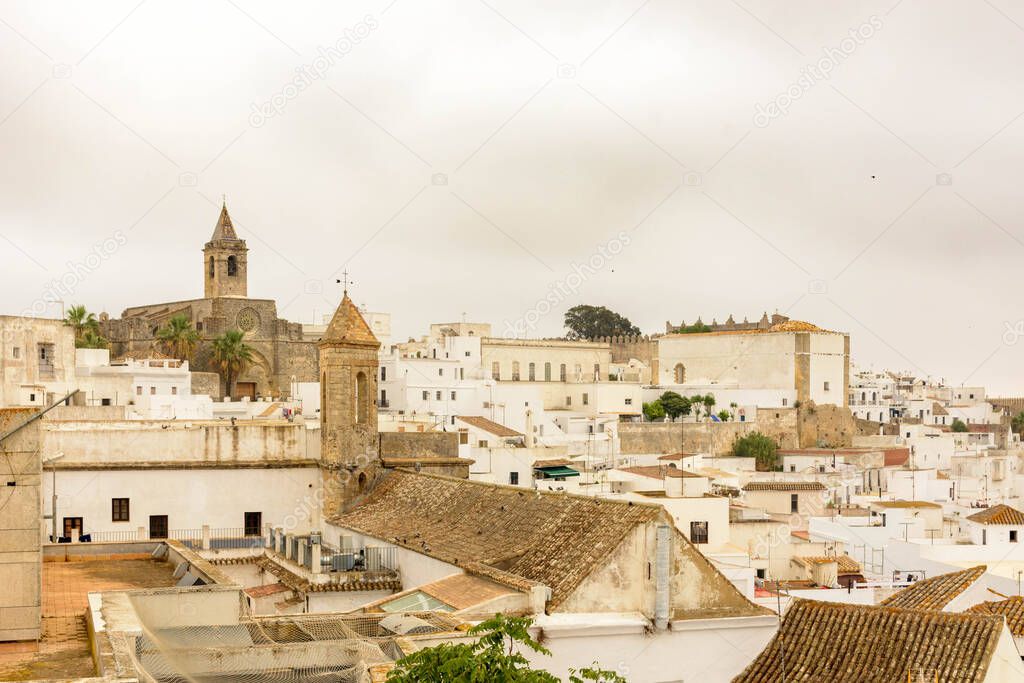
<point x="21" y="556"/>
<point x="419" y="445"/>
<point x="206" y="383"/>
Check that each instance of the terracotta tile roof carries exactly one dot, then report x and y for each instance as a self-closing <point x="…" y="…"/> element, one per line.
<point x="463" y="591"/>
<point x="935" y="593"/>
<point x="557" y="462"/>
<point x="784" y="486"/>
<point x="842" y="643"/>
<point x="905" y="504"/>
<point x="895" y="457"/>
<point x="677" y="456"/>
<point x="489" y="426"/>
<point x="1011" y="608"/>
<point x="265" y="590"/>
<point x="937" y="409"/>
<point x="999" y="514"/>
<point x="349" y="327"/>
<point x="554" y="539"/>
<point x="660" y="472"/>
<point x="844" y="563"/>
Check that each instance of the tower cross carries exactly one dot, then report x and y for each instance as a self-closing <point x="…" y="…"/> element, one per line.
<point x="345" y="282"/>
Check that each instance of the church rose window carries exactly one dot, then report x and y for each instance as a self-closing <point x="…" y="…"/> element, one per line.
<point x="248" y="319"/>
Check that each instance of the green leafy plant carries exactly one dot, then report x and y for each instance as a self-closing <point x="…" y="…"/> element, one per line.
<point x="494" y="657"/>
<point x="758" y="446"/>
<point x="178" y="338"/>
<point x="91" y="340"/>
<point x="959" y="425"/>
<point x="675" y="405"/>
<point x="695" y="328"/>
<point x="232" y="356"/>
<point x="591" y="322"/>
<point x="654" y="411"/>
<point x="724" y="415"/>
<point x="85" y="323"/>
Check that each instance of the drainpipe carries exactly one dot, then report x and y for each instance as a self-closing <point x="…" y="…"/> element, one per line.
<point x="662" y="554"/>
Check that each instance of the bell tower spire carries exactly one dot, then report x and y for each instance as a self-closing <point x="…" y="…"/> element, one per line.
<point x="225" y="266"/>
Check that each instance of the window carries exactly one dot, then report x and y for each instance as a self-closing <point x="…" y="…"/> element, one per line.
<point x="794" y="502"/>
<point x="362" y="398"/>
<point x="568" y="400"/>
<point x="515" y="371"/>
<point x="232" y="266"/>
<point x="547" y="372"/>
<point x="495" y="370"/>
<point x="384" y="398"/>
<point x="513" y="478"/>
<point x="482" y="443"/>
<point x="323" y="399"/>
<point x="138" y="391"/>
<point x="119" y="510"/>
<point x="532" y="370"/>
<point x="46" y="356"/>
<point x="453" y="395"/>
<point x="440" y="372"/>
<point x="792" y="468"/>
<point x="561" y="373"/>
<point x="105" y="402"/>
<point x="174" y="391"/>
<point x="629" y="401"/>
<point x="212" y="267"/>
<point x="586" y="399"/>
<point x="383" y="374"/>
<point x="680" y="373"/>
<point x="826" y="386"/>
<point x="785" y="402"/>
<point x="761" y="573"/>
<point x="698" y="532"/>
<point x="152" y="391"/>
<point x="1013" y="535"/>
<point x="597" y="372"/>
<point x="426" y="395"/>
<point x="468" y="354"/>
<point x="158" y="526"/>
<point x="15" y="352"/>
<point x="253" y="523"/>
<point x="438" y="395"/>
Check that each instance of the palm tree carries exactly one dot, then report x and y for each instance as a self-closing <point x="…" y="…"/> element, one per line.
<point x="178" y="337"/>
<point x="232" y="356"/>
<point x="709" y="403"/>
<point x="82" y="320"/>
<point x="91" y="339"/>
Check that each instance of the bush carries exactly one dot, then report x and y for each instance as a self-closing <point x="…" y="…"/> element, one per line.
<point x="654" y="411"/>
<point x="959" y="426"/>
<point x="758" y="446"/>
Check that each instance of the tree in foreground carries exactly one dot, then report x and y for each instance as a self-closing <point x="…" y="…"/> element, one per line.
<point x="494" y="657"/>
<point x="232" y="356"/>
<point x="1017" y="422"/>
<point x="590" y="322"/>
<point x="959" y="425"/>
<point x="178" y="338"/>
<point x="758" y="446"/>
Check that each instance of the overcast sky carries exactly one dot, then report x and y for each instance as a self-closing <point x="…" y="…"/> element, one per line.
<point x="709" y="157"/>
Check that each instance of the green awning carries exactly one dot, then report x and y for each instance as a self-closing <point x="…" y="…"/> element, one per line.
<point x="560" y="471"/>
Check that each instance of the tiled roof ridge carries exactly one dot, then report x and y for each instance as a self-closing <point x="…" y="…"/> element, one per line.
<point x="935" y="593"/>
<point x="1000" y="514"/>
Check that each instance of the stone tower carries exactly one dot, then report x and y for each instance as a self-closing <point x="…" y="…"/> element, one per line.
<point x="349" y="444"/>
<point x="224" y="261"/>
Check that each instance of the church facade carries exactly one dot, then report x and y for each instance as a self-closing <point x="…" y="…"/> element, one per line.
<point x="282" y="354"/>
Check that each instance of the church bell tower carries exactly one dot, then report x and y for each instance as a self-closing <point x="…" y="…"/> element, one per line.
<point x="349" y="445"/>
<point x="224" y="261"/>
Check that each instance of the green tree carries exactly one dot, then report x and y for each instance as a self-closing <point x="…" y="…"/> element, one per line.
<point x="709" y="403"/>
<point x="695" y="328"/>
<point x="91" y="340"/>
<point x="1017" y="422"/>
<point x="494" y="657"/>
<point x="758" y="446"/>
<point x="724" y="415"/>
<point x="697" y="405"/>
<point x="83" y="321"/>
<point x="178" y="338"/>
<point x="654" y="411"/>
<point x="959" y="426"/>
<point x="675" y="405"/>
<point x="232" y="356"/>
<point x="590" y="322"/>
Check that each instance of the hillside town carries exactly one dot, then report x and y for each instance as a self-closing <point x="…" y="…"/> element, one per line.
<point x="202" y="490"/>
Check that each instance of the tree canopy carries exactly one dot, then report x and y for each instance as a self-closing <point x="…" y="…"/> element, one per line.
<point x="959" y="425"/>
<point x="178" y="338"/>
<point x="695" y="328"/>
<point x="674" y="404"/>
<point x="654" y="411"/>
<point x="1017" y="422"/>
<point x="87" y="328"/>
<point x="590" y="322"/>
<point x="494" y="657"/>
<point x="232" y="355"/>
<point x="758" y="446"/>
